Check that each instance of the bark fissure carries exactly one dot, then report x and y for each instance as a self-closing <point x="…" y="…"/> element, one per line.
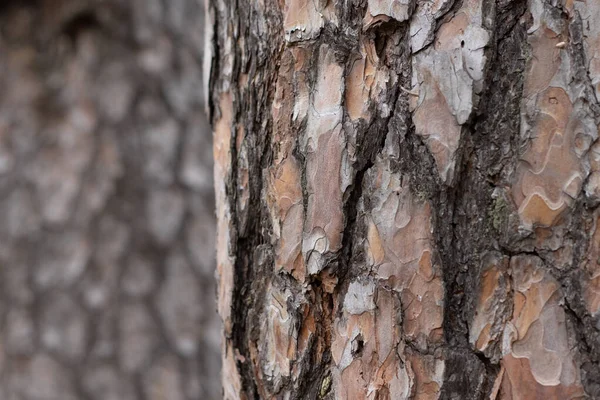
<point x="469" y="235"/>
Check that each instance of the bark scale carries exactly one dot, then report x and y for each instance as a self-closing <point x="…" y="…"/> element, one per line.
<point x="407" y="198"/>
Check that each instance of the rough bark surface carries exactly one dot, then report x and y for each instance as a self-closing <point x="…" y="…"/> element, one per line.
<point x="106" y="203"/>
<point x="407" y="198"/>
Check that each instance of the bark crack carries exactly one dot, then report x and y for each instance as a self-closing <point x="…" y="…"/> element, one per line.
<point x="468" y="203"/>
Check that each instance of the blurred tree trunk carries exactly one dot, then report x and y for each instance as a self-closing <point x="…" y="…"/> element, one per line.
<point x="106" y="203"/>
<point x="407" y="198"/>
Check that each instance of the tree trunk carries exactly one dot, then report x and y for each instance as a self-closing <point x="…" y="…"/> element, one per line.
<point x="407" y="198"/>
<point x="106" y="203"/>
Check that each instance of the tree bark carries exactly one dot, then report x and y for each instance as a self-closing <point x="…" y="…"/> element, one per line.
<point x="407" y="198"/>
<point x="106" y="203"/>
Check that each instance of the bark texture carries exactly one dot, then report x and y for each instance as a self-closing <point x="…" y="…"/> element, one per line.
<point x="106" y="203"/>
<point x="407" y="198"/>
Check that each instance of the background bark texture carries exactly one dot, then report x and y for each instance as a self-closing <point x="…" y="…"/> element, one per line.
<point x="407" y="198"/>
<point x="106" y="203"/>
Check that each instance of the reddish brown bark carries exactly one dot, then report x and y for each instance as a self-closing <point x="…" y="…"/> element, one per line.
<point x="407" y="198"/>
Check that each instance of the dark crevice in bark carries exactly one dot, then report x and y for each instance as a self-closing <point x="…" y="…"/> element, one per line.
<point x="244" y="243"/>
<point x="458" y="282"/>
<point x="389" y="38"/>
<point x="352" y="13"/>
<point x="252" y="266"/>
<point x="348" y="253"/>
<point x="253" y="256"/>
<point x="308" y="385"/>
<point x="6" y="5"/>
<point x="248" y="286"/>
<point x="213" y="79"/>
<point x="76" y="25"/>
<point x="487" y="153"/>
<point x="371" y="140"/>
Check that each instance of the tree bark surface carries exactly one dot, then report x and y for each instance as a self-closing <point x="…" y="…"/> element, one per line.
<point x="106" y="203"/>
<point x="407" y="198"/>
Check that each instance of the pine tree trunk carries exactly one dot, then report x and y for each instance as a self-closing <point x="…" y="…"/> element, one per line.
<point x="106" y="203"/>
<point x="407" y="198"/>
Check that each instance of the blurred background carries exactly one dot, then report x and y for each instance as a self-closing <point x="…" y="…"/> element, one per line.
<point x="106" y="202"/>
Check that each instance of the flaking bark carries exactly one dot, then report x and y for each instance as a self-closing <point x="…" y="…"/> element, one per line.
<point x="407" y="198"/>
